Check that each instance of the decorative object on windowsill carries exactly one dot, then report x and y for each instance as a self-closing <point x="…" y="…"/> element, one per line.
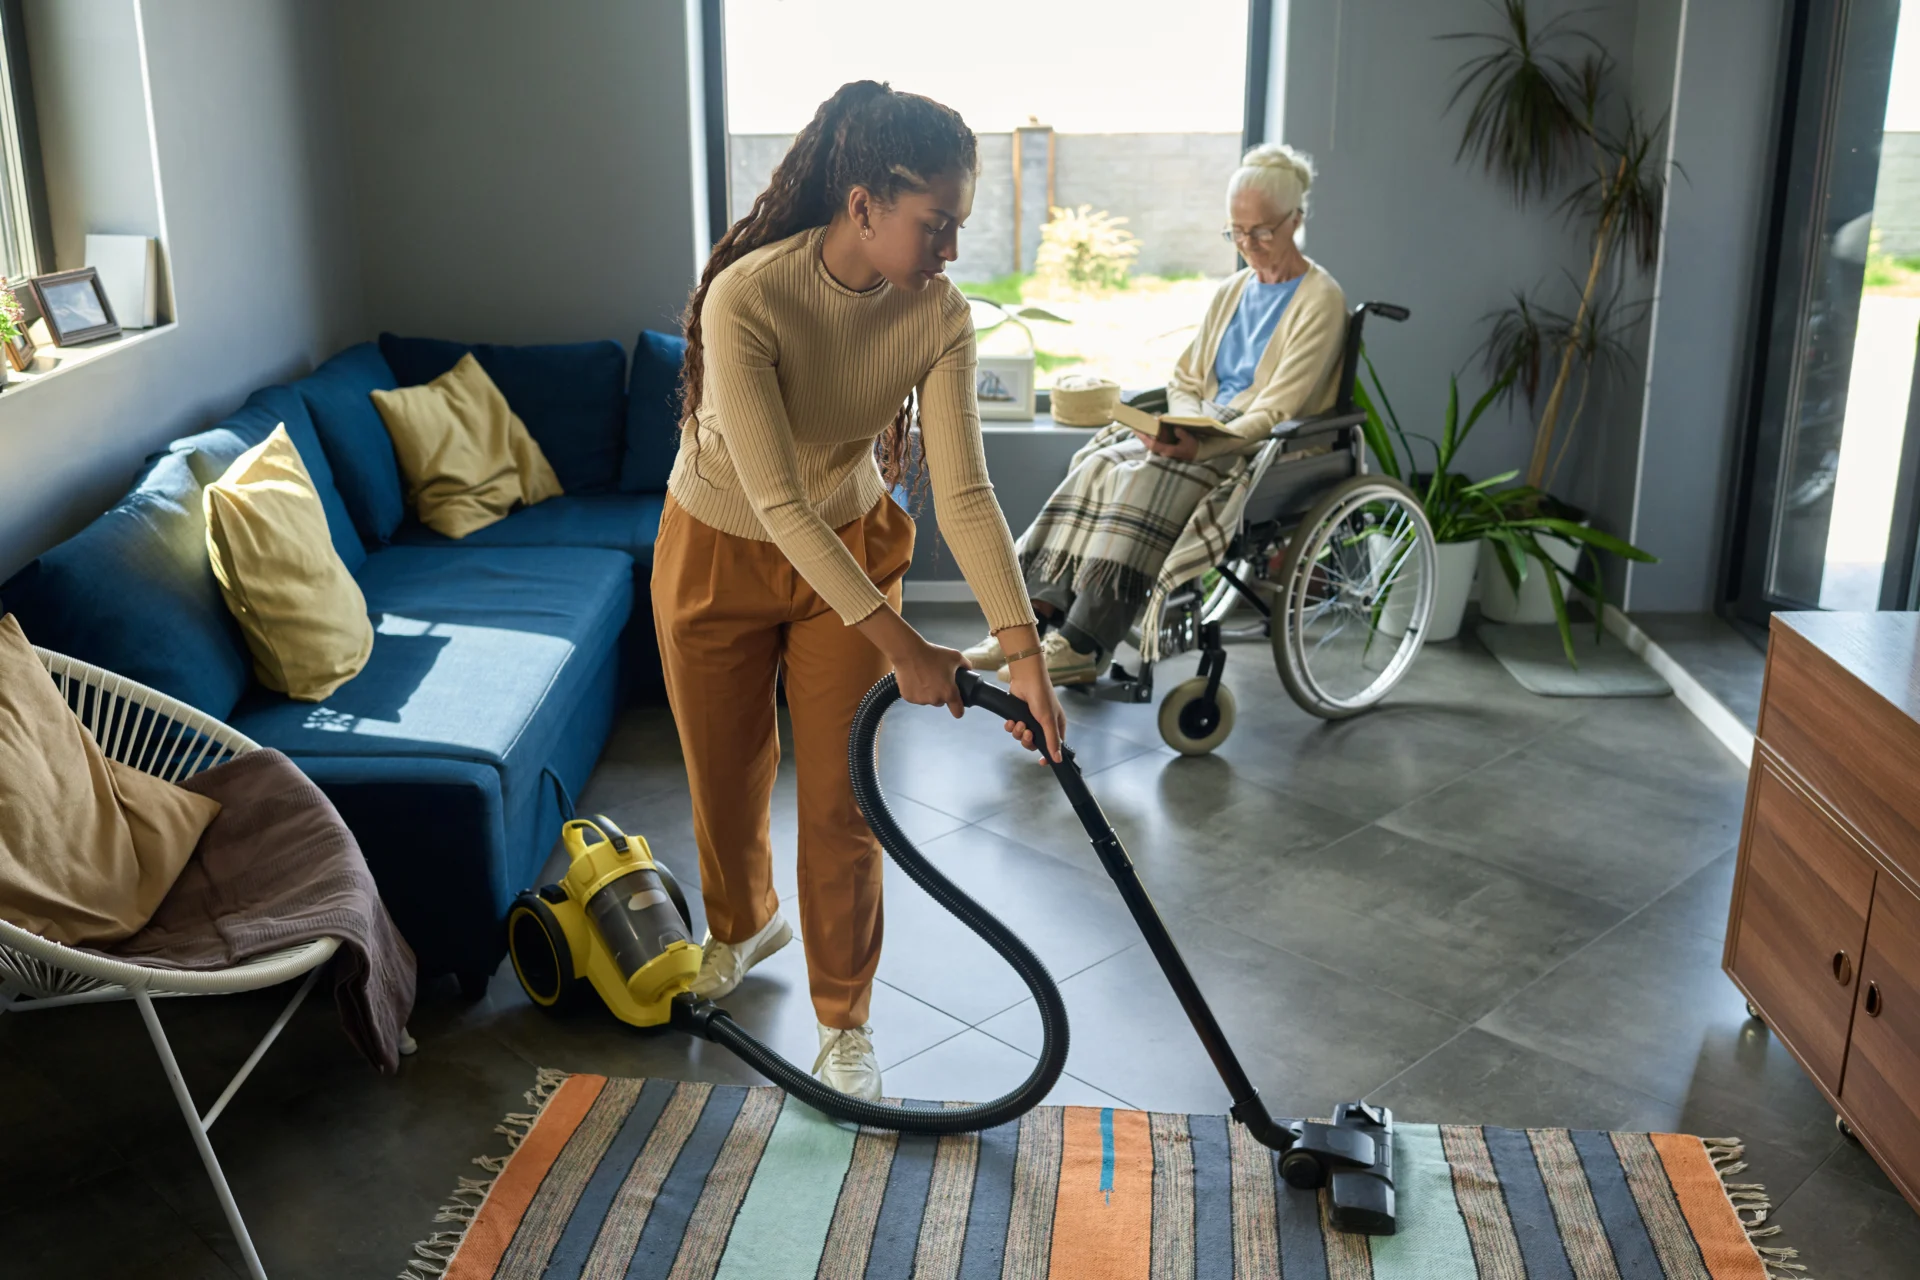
<point x="1465" y="514"/>
<point x="128" y="267"/>
<point x="1540" y="111"/>
<point x="75" y="307"/>
<point x="13" y="332"/>
<point x="1083" y="400"/>
<point x="1005" y="383"/>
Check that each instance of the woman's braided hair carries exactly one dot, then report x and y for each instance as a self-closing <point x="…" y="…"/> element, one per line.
<point x="868" y="135"/>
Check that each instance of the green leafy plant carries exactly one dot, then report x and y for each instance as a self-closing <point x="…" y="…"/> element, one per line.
<point x="1085" y="249"/>
<point x="1536" y="98"/>
<point x="990" y="314"/>
<point x="1507" y="515"/>
<point x="13" y="320"/>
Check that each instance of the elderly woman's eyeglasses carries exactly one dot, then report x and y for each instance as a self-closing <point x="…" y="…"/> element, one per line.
<point x="1261" y="235"/>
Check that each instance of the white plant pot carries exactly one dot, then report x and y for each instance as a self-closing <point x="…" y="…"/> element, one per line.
<point x="1455" y="564"/>
<point x="1499" y="603"/>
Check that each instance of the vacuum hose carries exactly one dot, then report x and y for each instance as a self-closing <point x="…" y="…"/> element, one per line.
<point x="704" y="1018"/>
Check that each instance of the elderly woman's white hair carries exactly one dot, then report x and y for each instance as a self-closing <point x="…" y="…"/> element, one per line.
<point x="1278" y="172"/>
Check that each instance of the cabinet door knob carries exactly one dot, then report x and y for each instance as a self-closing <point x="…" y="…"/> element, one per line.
<point x="1873" y="1000"/>
<point x="1842" y="968"/>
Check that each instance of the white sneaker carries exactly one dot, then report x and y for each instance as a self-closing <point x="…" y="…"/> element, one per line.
<point x="724" y="964"/>
<point x="846" y="1062"/>
<point x="1065" y="664"/>
<point x="986" y="656"/>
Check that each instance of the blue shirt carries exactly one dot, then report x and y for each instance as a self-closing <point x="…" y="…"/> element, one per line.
<point x="1248" y="333"/>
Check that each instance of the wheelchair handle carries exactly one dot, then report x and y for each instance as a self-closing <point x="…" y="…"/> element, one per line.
<point x="1386" y="310"/>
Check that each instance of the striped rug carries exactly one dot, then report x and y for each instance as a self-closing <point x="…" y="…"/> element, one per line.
<point x="613" y="1179"/>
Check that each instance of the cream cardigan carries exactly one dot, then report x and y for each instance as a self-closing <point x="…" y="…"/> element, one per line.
<point x="1298" y="373"/>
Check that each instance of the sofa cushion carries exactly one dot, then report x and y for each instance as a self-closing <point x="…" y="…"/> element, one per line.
<point x="626" y="522"/>
<point x="212" y="451"/>
<point x="568" y="394"/>
<point x="339" y="396"/>
<point x="133" y="592"/>
<point x="479" y="653"/>
<point x="653" y="412"/>
<point x="301" y="612"/>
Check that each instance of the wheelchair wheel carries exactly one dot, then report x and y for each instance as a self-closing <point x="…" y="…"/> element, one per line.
<point x="1192" y="725"/>
<point x="1356" y="591"/>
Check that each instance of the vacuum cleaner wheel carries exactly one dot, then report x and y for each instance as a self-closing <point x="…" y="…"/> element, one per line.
<point x="541" y="958"/>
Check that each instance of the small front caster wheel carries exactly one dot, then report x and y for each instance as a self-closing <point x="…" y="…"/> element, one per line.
<point x="1844" y="1129"/>
<point x="1755" y="1014"/>
<point x="1301" y="1171"/>
<point x="1192" y="723"/>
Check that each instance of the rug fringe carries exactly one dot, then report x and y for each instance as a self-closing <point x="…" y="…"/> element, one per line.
<point x="432" y="1255"/>
<point x="1751" y="1207"/>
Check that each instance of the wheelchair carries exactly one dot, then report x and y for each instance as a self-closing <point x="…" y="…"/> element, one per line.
<point x="1348" y="561"/>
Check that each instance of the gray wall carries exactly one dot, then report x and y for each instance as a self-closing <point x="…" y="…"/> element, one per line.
<point x="257" y="235"/>
<point x="1723" y="121"/>
<point x="1171" y="188"/>
<point x="1896" y="201"/>
<point x="521" y="171"/>
<point x="92" y="108"/>
<point x="1396" y="218"/>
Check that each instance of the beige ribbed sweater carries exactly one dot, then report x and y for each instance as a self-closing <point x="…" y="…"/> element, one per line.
<point x="801" y="375"/>
<point x="1298" y="374"/>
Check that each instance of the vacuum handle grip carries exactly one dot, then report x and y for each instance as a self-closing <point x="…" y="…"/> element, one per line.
<point x="976" y="692"/>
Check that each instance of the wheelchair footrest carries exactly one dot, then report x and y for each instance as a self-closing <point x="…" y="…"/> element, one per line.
<point x="1122" y="686"/>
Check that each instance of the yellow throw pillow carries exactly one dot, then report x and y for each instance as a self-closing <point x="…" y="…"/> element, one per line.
<point x="300" y="610"/>
<point x="467" y="457"/>
<point x="88" y="846"/>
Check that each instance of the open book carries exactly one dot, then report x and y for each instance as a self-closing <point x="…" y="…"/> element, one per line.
<point x="1162" y="425"/>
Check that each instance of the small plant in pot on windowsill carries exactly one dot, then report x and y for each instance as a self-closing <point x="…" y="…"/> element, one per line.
<point x="13" y="324"/>
<point x="1465" y="514"/>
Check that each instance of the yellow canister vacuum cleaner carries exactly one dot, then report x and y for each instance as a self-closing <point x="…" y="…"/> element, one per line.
<point x="617" y="922"/>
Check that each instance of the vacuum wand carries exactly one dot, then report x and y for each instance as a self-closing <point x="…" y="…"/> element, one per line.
<point x="1353" y="1153"/>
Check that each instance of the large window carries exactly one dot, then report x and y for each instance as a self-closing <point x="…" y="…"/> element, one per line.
<point x="1106" y="133"/>
<point x="19" y="153"/>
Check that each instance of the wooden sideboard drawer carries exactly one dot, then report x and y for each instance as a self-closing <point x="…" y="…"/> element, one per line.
<point x="1801" y="898"/>
<point x="1881" y="1087"/>
<point x="1852" y="746"/>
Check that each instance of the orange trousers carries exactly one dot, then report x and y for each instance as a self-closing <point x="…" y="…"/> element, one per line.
<point x="730" y="613"/>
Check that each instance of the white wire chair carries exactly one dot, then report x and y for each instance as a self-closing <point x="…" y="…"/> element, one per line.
<point x="156" y="734"/>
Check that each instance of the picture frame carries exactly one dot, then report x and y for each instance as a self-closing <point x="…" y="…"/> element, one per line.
<point x="75" y="306"/>
<point x="20" y="353"/>
<point x="1003" y="387"/>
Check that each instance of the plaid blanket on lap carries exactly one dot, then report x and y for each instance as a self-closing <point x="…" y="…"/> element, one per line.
<point x="1110" y="526"/>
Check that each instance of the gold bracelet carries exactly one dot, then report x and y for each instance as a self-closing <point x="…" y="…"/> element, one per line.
<point x="1034" y="652"/>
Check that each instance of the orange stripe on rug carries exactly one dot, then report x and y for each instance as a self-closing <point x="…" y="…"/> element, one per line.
<point x="494" y="1226"/>
<point x="1103" y="1216"/>
<point x="1723" y="1242"/>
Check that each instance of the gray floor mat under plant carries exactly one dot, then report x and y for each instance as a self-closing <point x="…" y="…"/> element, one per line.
<point x="1533" y="656"/>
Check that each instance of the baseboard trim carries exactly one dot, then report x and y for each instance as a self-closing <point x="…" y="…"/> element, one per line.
<point x="955" y="592"/>
<point x="1725" y="726"/>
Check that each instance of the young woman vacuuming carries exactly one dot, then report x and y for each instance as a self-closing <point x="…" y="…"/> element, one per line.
<point x="820" y="320"/>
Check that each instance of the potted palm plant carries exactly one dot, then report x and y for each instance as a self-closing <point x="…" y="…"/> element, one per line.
<point x="1467" y="514"/>
<point x="1537" y="97"/>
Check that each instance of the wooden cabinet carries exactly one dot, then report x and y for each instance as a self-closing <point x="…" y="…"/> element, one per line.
<point x="1824" y="934"/>
<point x="1882" y="1084"/>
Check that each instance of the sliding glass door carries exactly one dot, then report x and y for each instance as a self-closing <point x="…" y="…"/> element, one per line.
<point x="1826" y="515"/>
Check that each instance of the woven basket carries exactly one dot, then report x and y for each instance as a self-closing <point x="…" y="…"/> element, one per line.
<point x="1084" y="401"/>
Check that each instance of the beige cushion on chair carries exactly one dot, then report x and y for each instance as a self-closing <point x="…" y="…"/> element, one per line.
<point x="88" y="846"/>
<point x="301" y="612"/>
<point x="467" y="457"/>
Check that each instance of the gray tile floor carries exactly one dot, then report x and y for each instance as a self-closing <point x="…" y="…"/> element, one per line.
<point x="1717" y="654"/>
<point x="1473" y="904"/>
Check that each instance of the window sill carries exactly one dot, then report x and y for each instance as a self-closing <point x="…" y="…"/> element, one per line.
<point x="50" y="362"/>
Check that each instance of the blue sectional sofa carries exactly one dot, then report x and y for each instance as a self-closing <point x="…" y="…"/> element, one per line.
<point x="499" y="661"/>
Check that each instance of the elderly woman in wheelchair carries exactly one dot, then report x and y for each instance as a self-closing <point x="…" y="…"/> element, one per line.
<point x="1170" y="533"/>
<point x="1268" y="351"/>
